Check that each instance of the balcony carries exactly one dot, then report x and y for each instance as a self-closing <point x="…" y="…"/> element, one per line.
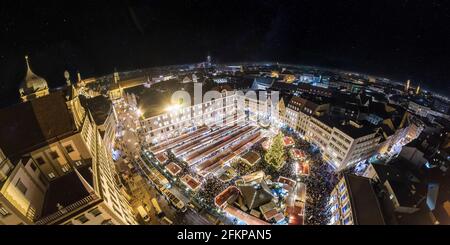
<point x="86" y="201"/>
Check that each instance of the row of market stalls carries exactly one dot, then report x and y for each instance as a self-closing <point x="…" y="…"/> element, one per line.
<point x="208" y="150"/>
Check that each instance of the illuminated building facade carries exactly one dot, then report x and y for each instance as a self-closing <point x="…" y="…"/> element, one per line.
<point x="343" y="144"/>
<point x="55" y="167"/>
<point x="299" y="110"/>
<point x="354" y="202"/>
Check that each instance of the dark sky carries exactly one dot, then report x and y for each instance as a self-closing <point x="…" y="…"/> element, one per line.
<point x="398" y="39"/>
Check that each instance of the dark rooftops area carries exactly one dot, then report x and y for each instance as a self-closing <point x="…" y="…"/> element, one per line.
<point x="282" y="86"/>
<point x="354" y="131"/>
<point x="318" y="100"/>
<point x="350" y="128"/>
<point x="99" y="106"/>
<point x="427" y="143"/>
<point x="379" y="109"/>
<point x="387" y="130"/>
<point x="365" y="206"/>
<point x="267" y="81"/>
<point x="404" y="180"/>
<point x="27" y="125"/>
<point x="387" y="172"/>
<point x="329" y="120"/>
<point x="66" y="190"/>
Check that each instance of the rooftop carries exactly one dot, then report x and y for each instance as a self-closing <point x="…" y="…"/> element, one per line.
<point x="403" y="189"/>
<point x="31" y="124"/>
<point x="251" y="157"/>
<point x="365" y="207"/>
<point x="99" y="107"/>
<point x="255" y="194"/>
<point x="66" y="190"/>
<point x="356" y="130"/>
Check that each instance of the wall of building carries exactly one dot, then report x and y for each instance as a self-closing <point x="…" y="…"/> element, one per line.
<point x="340" y="206"/>
<point x="414" y="156"/>
<point x="337" y="147"/>
<point x="100" y="214"/>
<point x="25" y="190"/>
<point x="55" y="159"/>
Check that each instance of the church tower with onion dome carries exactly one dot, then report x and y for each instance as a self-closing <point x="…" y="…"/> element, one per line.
<point x="33" y="86"/>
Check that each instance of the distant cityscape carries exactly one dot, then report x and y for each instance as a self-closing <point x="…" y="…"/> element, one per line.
<point x="225" y="144"/>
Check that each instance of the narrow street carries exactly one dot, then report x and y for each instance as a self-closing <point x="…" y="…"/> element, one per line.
<point x="140" y="186"/>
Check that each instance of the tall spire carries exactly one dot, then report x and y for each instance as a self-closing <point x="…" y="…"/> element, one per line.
<point x="27" y="62"/>
<point x="29" y="71"/>
<point x="32" y="86"/>
<point x="407" y="85"/>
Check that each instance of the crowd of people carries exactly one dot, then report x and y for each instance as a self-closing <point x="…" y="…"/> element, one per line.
<point x="210" y="189"/>
<point x="319" y="183"/>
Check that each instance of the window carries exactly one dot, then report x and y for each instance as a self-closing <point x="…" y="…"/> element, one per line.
<point x="54" y="154"/>
<point x="107" y="222"/>
<point x="40" y="160"/>
<point x="69" y="148"/>
<point x="3" y="211"/>
<point x="22" y="188"/>
<point x="65" y="168"/>
<point x="95" y="212"/>
<point x="82" y="219"/>
<point x="78" y="163"/>
<point x="51" y="175"/>
<point x="346" y="208"/>
<point x="348" y="220"/>
<point x="32" y="166"/>
<point x="343" y="197"/>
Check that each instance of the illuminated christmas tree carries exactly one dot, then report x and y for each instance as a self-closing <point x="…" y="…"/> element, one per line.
<point x="275" y="155"/>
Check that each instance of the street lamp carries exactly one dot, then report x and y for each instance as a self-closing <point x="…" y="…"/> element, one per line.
<point x="138" y="112"/>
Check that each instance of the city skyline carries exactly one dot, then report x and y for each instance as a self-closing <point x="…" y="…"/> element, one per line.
<point x="405" y="40"/>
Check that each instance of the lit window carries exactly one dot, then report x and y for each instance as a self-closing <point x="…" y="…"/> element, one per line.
<point x="346" y="208"/>
<point x="343" y="197"/>
<point x="51" y="175"/>
<point x="3" y="211"/>
<point x="65" y="168"/>
<point x="348" y="220"/>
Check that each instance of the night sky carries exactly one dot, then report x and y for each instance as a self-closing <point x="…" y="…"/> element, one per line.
<point x="399" y="39"/>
